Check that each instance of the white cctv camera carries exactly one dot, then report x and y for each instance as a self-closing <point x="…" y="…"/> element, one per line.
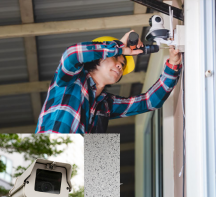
<point x="157" y="29"/>
<point x="156" y="22"/>
<point x="158" y="33"/>
<point x="44" y="178"/>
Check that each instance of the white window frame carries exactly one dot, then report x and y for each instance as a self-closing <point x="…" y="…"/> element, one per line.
<point x="199" y="97"/>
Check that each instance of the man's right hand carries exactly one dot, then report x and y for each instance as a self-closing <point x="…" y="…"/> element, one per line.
<point x="126" y="50"/>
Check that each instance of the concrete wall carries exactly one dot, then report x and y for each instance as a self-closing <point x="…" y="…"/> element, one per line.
<point x="102" y="165"/>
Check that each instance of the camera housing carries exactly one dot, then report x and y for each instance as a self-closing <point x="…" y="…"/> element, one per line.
<point x="157" y="29"/>
<point x="44" y="178"/>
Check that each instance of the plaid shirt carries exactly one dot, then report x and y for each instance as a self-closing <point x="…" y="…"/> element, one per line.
<point x="71" y="106"/>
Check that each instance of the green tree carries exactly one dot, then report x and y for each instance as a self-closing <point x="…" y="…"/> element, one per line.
<point x="33" y="147"/>
<point x="78" y="193"/>
<point x="2" y="166"/>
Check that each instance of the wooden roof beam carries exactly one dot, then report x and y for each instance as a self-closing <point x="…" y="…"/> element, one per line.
<point x="70" y="26"/>
<point x="27" y="16"/>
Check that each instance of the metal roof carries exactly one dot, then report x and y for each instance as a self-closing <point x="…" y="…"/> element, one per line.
<point x="13" y="68"/>
<point x="15" y="110"/>
<point x="9" y="12"/>
<point x="55" y="10"/>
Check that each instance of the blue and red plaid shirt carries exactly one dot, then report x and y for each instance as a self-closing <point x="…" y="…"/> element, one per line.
<point x="71" y="106"/>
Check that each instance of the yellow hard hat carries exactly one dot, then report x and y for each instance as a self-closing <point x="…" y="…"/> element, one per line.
<point x="130" y="65"/>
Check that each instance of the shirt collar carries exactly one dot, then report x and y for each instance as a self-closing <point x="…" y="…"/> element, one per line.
<point x="101" y="96"/>
<point x="93" y="86"/>
<point x="91" y="81"/>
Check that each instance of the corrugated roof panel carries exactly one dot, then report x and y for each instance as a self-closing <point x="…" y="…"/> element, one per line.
<point x="55" y="10"/>
<point x="13" y="68"/>
<point x="9" y="12"/>
<point x="15" y="110"/>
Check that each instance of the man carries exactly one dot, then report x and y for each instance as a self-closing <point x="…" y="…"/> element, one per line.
<point x="76" y="101"/>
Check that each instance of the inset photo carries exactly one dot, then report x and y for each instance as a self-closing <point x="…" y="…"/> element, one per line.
<point x="41" y="165"/>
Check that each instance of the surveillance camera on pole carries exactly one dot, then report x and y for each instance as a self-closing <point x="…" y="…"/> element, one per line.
<point x="44" y="178"/>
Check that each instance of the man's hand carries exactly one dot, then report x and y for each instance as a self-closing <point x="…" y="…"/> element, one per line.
<point x="175" y="56"/>
<point x="126" y="50"/>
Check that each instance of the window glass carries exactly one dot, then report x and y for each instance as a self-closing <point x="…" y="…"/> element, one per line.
<point x="7" y="178"/>
<point x="9" y="166"/>
<point x="2" y="174"/>
<point x="3" y="158"/>
<point x="7" y="175"/>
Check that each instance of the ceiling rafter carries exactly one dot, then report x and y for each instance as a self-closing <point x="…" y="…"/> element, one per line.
<point x="27" y="16"/>
<point x="70" y="26"/>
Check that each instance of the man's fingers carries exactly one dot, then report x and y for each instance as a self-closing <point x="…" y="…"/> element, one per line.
<point x="127" y="34"/>
<point x="136" y="52"/>
<point x="140" y="44"/>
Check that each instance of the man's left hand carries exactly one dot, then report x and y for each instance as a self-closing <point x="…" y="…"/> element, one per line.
<point x="175" y="56"/>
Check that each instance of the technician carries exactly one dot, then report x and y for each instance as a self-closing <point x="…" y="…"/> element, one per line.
<point x="76" y="101"/>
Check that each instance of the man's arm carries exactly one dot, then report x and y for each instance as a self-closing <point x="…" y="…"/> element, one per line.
<point x="151" y="100"/>
<point x="69" y="67"/>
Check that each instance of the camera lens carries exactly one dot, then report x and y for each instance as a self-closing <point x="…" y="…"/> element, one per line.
<point x="47" y="187"/>
<point x="48" y="181"/>
<point x="158" y="19"/>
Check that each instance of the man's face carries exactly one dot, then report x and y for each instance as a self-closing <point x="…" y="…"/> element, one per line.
<point x="112" y="69"/>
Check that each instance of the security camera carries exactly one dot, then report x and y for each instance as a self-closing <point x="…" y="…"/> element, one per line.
<point x="159" y="34"/>
<point x="44" y="178"/>
<point x="156" y="22"/>
<point x="157" y="29"/>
